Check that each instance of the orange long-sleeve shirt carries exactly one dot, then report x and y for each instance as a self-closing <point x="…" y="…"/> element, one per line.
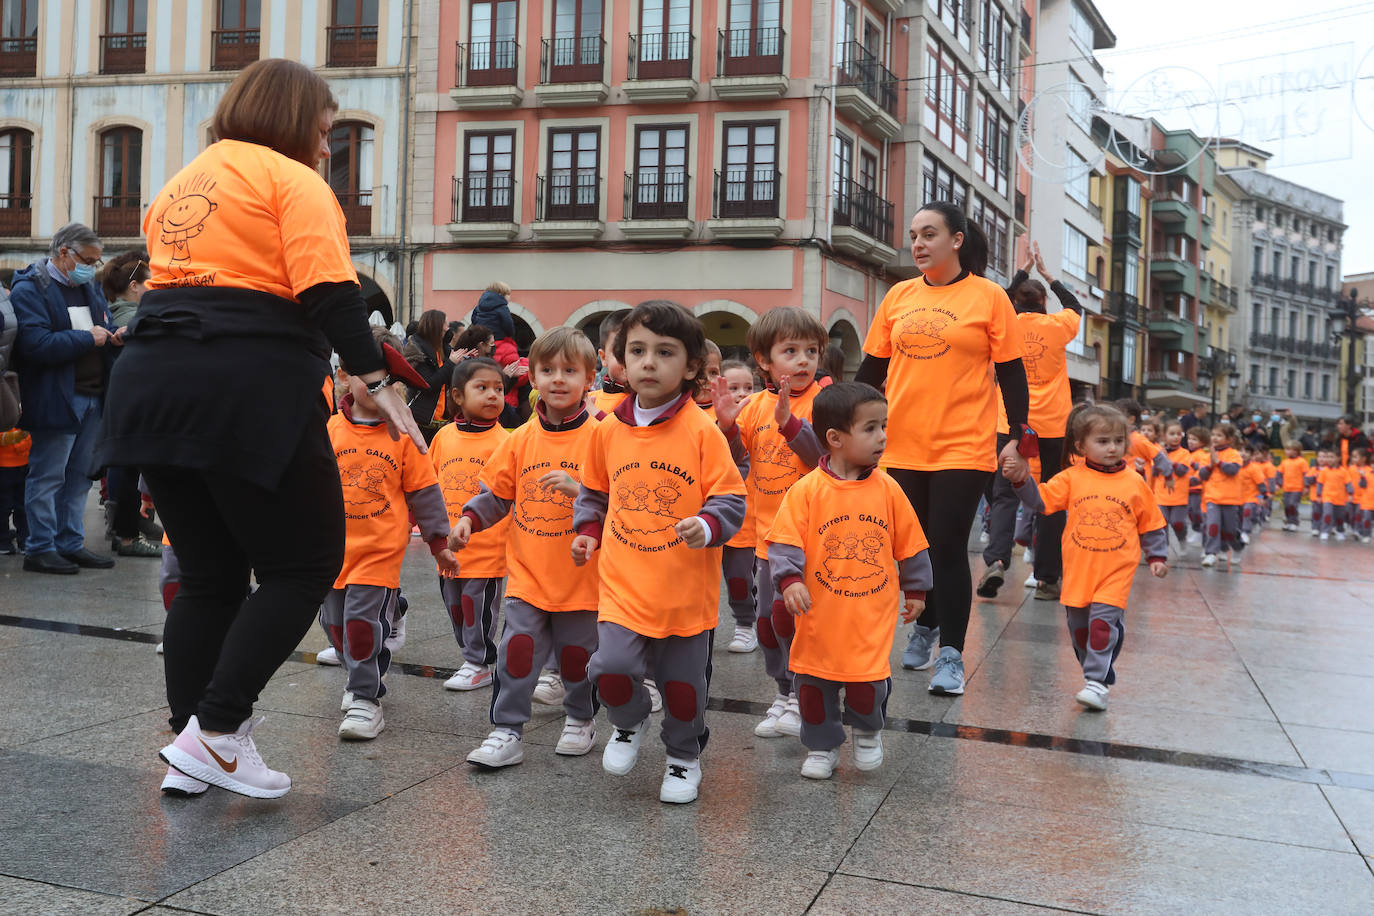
<point x="459" y="456"/>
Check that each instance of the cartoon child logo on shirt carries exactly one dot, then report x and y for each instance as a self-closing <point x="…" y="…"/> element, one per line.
<point x="1100" y="523"/>
<point x="921" y="334"/>
<point x="458" y="482"/>
<point x="646" y="508"/>
<point x="364" y="482"/>
<point x="853" y="566"/>
<point x="774" y="463"/>
<point x="183" y="219"/>
<point x="1034" y="349"/>
<point x="545" y="504"/>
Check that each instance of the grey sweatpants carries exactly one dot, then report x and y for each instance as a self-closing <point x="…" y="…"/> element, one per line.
<point x="528" y="638"/>
<point x="358" y="620"/>
<point x="1097" y="631"/>
<point x="1176" y="517"/>
<point x="737" y="565"/>
<point x="473" y="605"/>
<point x="1222" y="529"/>
<point x="822" y="728"/>
<point x="1291" y="501"/>
<point x="775" y="628"/>
<point x="1333" y="518"/>
<point x="683" y="667"/>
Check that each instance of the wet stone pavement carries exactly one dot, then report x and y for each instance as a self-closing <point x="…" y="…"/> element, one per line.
<point x="1233" y="773"/>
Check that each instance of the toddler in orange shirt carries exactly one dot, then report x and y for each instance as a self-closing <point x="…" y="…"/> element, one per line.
<point x="612" y="391"/>
<point x="737" y="556"/>
<point x="1199" y="441"/>
<point x="1362" y="503"/>
<point x="1172" y="492"/>
<point x="14" y="468"/>
<point x="1223" y="493"/>
<point x="1112" y="516"/>
<point x="1334" y="491"/>
<point x="838" y="538"/>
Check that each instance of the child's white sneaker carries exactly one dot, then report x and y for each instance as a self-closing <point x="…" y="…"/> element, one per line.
<point x="1028" y="555"/>
<point x="655" y="698"/>
<point x="1316" y="533"/>
<point x="868" y="750"/>
<point x="469" y="677"/>
<point x="1031" y="581"/>
<point x="158" y="647"/>
<point x="744" y="640"/>
<point x="347" y="701"/>
<point x="363" y="721"/>
<point x="398" y="634"/>
<point x="578" y="737"/>
<point x="1244" y="538"/>
<point x="789" y="723"/>
<point x="768" y="727"/>
<point x="1326" y="536"/>
<point x="681" y="779"/>
<point x="1235" y="558"/>
<point x="623" y="749"/>
<point x="328" y="657"/>
<point x="820" y="764"/>
<point x="1093" y="695"/>
<point x="1209" y="560"/>
<point x="550" y="690"/>
<point x="503" y="748"/>
<point x="1340" y="535"/>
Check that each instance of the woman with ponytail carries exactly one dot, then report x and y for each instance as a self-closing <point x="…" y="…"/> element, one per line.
<point x="936" y="342"/>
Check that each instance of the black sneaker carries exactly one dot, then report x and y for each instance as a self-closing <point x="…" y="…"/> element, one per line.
<point x="992" y="579"/>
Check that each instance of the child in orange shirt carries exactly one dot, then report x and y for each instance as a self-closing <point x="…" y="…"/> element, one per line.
<point x="737" y="556"/>
<point x="1112" y="516"/>
<point x="1254" y="487"/>
<point x="1199" y="438"/>
<point x="14" y="467"/>
<point x="1363" y="506"/>
<point x="832" y="548"/>
<point x="660" y="495"/>
<point x="787" y="344"/>
<point x="1334" y="489"/>
<point x="1171" y="493"/>
<point x="550" y="604"/>
<point x="1224" y="496"/>
<point x="380" y="478"/>
<point x="612" y="391"/>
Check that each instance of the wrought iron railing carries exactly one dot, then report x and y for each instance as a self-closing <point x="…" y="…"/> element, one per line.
<point x="749" y="52"/>
<point x="862" y="209"/>
<point x="487" y="63"/>
<point x="568" y="194"/>
<point x="484" y="197"/>
<point x="859" y="67"/>
<point x="657" y="193"/>
<point x="577" y="59"/>
<point x="234" y="49"/>
<point x="745" y="193"/>
<point x="352" y="45"/>
<point x="661" y="55"/>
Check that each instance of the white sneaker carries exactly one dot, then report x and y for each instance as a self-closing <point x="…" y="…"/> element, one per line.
<point x="1234" y="559"/>
<point x="820" y="764"/>
<point x="655" y="698"/>
<point x="789" y="723"/>
<point x="1093" y="695"/>
<point x="1031" y="581"/>
<point x="744" y="640"/>
<point x="328" y="657"/>
<point x="578" y="737"/>
<point x="1028" y="555"/>
<point x="1317" y="533"/>
<point x="1326" y="536"/>
<point x="982" y="537"/>
<point x="1209" y="560"/>
<point x="1194" y="537"/>
<point x="398" y="634"/>
<point x="680" y="781"/>
<point x="623" y="749"/>
<point x="183" y="786"/>
<point x="363" y="721"/>
<point x="1363" y="540"/>
<point x="503" y="748"/>
<point x="1340" y="535"/>
<point x="1244" y="538"/>
<point x="347" y="701"/>
<point x="229" y="761"/>
<point x="550" y="690"/>
<point x="868" y="750"/>
<point x="768" y="726"/>
<point x="469" y="677"/>
<point x="158" y="648"/>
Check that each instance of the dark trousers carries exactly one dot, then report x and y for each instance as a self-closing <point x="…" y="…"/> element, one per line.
<point x="1049" y="529"/>
<point x="121" y="485"/>
<point x="223" y="644"/>
<point x="945" y="503"/>
<point x="12" y="503"/>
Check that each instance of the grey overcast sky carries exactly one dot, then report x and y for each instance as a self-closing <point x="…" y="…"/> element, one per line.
<point x="1294" y="79"/>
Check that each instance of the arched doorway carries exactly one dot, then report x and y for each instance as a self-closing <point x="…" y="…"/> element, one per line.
<point x="844" y="335"/>
<point x="524" y="335"/>
<point x="376" y="300"/>
<point x="729" y="332"/>
<point x="591" y="326"/>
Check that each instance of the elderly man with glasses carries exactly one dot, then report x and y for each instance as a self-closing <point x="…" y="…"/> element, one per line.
<point x="63" y="352"/>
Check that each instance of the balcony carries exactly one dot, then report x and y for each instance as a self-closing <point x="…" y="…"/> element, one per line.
<point x="862" y="223"/>
<point x="16" y="215"/>
<point x="1171" y="210"/>
<point x="487" y="75"/>
<point x="749" y="63"/>
<point x="572" y="71"/>
<point x="744" y="204"/>
<point x="234" y="49"/>
<point x="119" y="216"/>
<point x="1126" y="227"/>
<point x="352" y="45"/>
<point x="662" y="67"/>
<point x="19" y="56"/>
<point x="1167" y="378"/>
<point x="123" y="53"/>
<point x="1171" y="268"/>
<point x="357" y="210"/>
<point x="1171" y="326"/>
<point x="1127" y="308"/>
<point x="484" y="208"/>
<point x="568" y="206"/>
<point x="866" y="91"/>
<point x="1260" y="341"/>
<point x="657" y="202"/>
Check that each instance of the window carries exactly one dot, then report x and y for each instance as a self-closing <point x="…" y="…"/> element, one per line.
<point x="1326" y="387"/>
<point x="957" y="15"/>
<point x="938" y="182"/>
<point x="350" y="173"/>
<point x="575" y="52"/>
<point x="1293" y="264"/>
<point x="124" y="42"/>
<point x="1075" y="252"/>
<point x="489" y="176"/>
<point x="868" y="172"/>
<point x="237" y="37"/>
<point x="1254" y="377"/>
<point x="1273" y="380"/>
<point x="992" y="145"/>
<point x="1257" y="317"/>
<point x="16" y="183"/>
<point x="1330" y="277"/>
<point x="750" y="182"/>
<point x="1311" y="273"/>
<point x="665" y="39"/>
<point x="1130" y="190"/>
<point x="1307" y="378"/>
<point x="754" y="43"/>
<point x="1080" y="101"/>
<point x="493" y="51"/>
<point x="1080" y="28"/>
<point x="1312" y="328"/>
<point x="118" y="204"/>
<point x="1259" y="214"/>
<point x="1128" y="357"/>
<point x="995" y="45"/>
<point x="997" y="228"/>
<point x="1292" y="325"/>
<point x="18" y="37"/>
<point x="1278" y="265"/>
<point x="947" y="98"/>
<point x="1290" y="388"/>
<point x="1257" y="262"/>
<point x="1079" y="185"/>
<point x="1274" y="320"/>
<point x="353" y="33"/>
<point x="660" y="178"/>
<point x="573" y="187"/>
<point x="842" y="157"/>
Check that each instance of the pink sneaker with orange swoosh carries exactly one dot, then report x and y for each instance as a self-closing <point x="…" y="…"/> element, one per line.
<point x="229" y="761"/>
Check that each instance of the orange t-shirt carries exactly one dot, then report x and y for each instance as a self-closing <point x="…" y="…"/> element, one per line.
<point x="606" y="402"/>
<point x="1365" y="495"/>
<point x="458" y="458"/>
<point x="1107" y="513"/>
<point x="1333" y="482"/>
<point x="853" y="533"/>
<point x="1219" y="488"/>
<point x="1293" y="471"/>
<point x="243" y="216"/>
<point x="943" y="342"/>
<point x="657" y="475"/>
<point x="14" y="448"/>
<point x="1251" y="476"/>
<point x="376" y="473"/>
<point x="773" y="466"/>
<point x="1172" y="491"/>
<point x="1045" y="339"/>
<point x="1202" y="457"/>
<point x="748" y="532"/>
<point x="539" y="545"/>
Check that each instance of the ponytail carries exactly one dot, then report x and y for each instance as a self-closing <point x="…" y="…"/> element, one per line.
<point x="973" y="253"/>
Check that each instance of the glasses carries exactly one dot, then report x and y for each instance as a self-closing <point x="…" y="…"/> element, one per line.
<point x="77" y="256"/>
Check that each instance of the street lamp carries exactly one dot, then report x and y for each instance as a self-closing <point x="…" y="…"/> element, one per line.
<point x="1345" y="324"/>
<point x="1218" y="364"/>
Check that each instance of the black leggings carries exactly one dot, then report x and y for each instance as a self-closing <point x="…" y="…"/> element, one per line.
<point x="945" y="503"/>
<point x="223" y="644"/>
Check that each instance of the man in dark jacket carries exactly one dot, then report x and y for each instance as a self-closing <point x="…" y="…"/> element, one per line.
<point x="63" y="355"/>
<point x="1349" y="437"/>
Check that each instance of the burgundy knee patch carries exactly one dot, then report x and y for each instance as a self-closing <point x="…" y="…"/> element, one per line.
<point x="336" y="637"/>
<point x="469" y="612"/>
<point x="680" y="699"/>
<point x="783" y="624"/>
<point x="1100" y="636"/>
<point x="1213" y="530"/>
<point x="169" y="594"/>
<point x="615" y="689"/>
<point x="812" y="704"/>
<point x="739" y="588"/>
<point x="767" y="637"/>
<point x="455" y="613"/>
<point x="519" y="656"/>
<point x="572" y="663"/>
<point x="1080" y="637"/>
<point x="860" y="698"/>
<point x="360" y="641"/>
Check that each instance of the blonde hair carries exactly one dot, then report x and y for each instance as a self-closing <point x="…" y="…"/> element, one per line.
<point x="499" y="287"/>
<point x="569" y="343"/>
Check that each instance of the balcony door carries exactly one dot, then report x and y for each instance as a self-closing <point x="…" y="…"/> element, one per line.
<point x="16" y="183"/>
<point x="350" y="173"/>
<point x="665" y="39"/>
<point x="660" y="178"/>
<point x="353" y="33"/>
<point x="753" y="42"/>
<point x="577" y="41"/>
<point x="492" y="54"/>
<point x="237" y="36"/>
<point x="749" y="184"/>
<point x="573" y="190"/>
<point x="489" y="176"/>
<point x="124" y="43"/>
<point x="121" y="183"/>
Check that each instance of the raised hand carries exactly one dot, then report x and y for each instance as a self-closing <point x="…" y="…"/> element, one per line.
<point x="727" y="409"/>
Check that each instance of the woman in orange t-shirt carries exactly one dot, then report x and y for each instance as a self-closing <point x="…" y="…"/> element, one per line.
<point x="935" y="343"/>
<point x="217" y="399"/>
